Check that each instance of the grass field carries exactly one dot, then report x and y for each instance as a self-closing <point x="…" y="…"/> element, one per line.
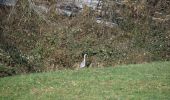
<point x="134" y="82"/>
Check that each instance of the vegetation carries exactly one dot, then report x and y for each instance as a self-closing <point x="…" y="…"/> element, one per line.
<point x="141" y="81"/>
<point x="33" y="43"/>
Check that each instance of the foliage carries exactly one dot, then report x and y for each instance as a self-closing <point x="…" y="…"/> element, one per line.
<point x="34" y="43"/>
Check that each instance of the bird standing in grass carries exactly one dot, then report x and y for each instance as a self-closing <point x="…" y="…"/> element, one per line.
<point x="83" y="63"/>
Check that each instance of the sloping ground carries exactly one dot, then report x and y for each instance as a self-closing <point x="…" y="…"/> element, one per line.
<point x="30" y="42"/>
<point x="142" y="81"/>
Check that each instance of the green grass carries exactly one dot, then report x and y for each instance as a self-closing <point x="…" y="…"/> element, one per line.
<point x="134" y="82"/>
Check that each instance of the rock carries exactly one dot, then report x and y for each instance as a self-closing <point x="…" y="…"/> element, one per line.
<point x="106" y="23"/>
<point x="8" y="2"/>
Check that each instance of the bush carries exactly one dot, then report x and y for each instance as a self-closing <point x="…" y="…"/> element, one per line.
<point x="34" y="44"/>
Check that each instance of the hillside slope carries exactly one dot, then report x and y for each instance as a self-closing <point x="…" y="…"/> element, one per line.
<point x="142" y="81"/>
<point x="36" y="38"/>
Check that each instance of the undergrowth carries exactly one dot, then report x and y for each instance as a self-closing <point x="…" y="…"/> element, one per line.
<point x="29" y="43"/>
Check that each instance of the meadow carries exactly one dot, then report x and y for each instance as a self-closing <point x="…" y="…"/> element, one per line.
<point x="149" y="81"/>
